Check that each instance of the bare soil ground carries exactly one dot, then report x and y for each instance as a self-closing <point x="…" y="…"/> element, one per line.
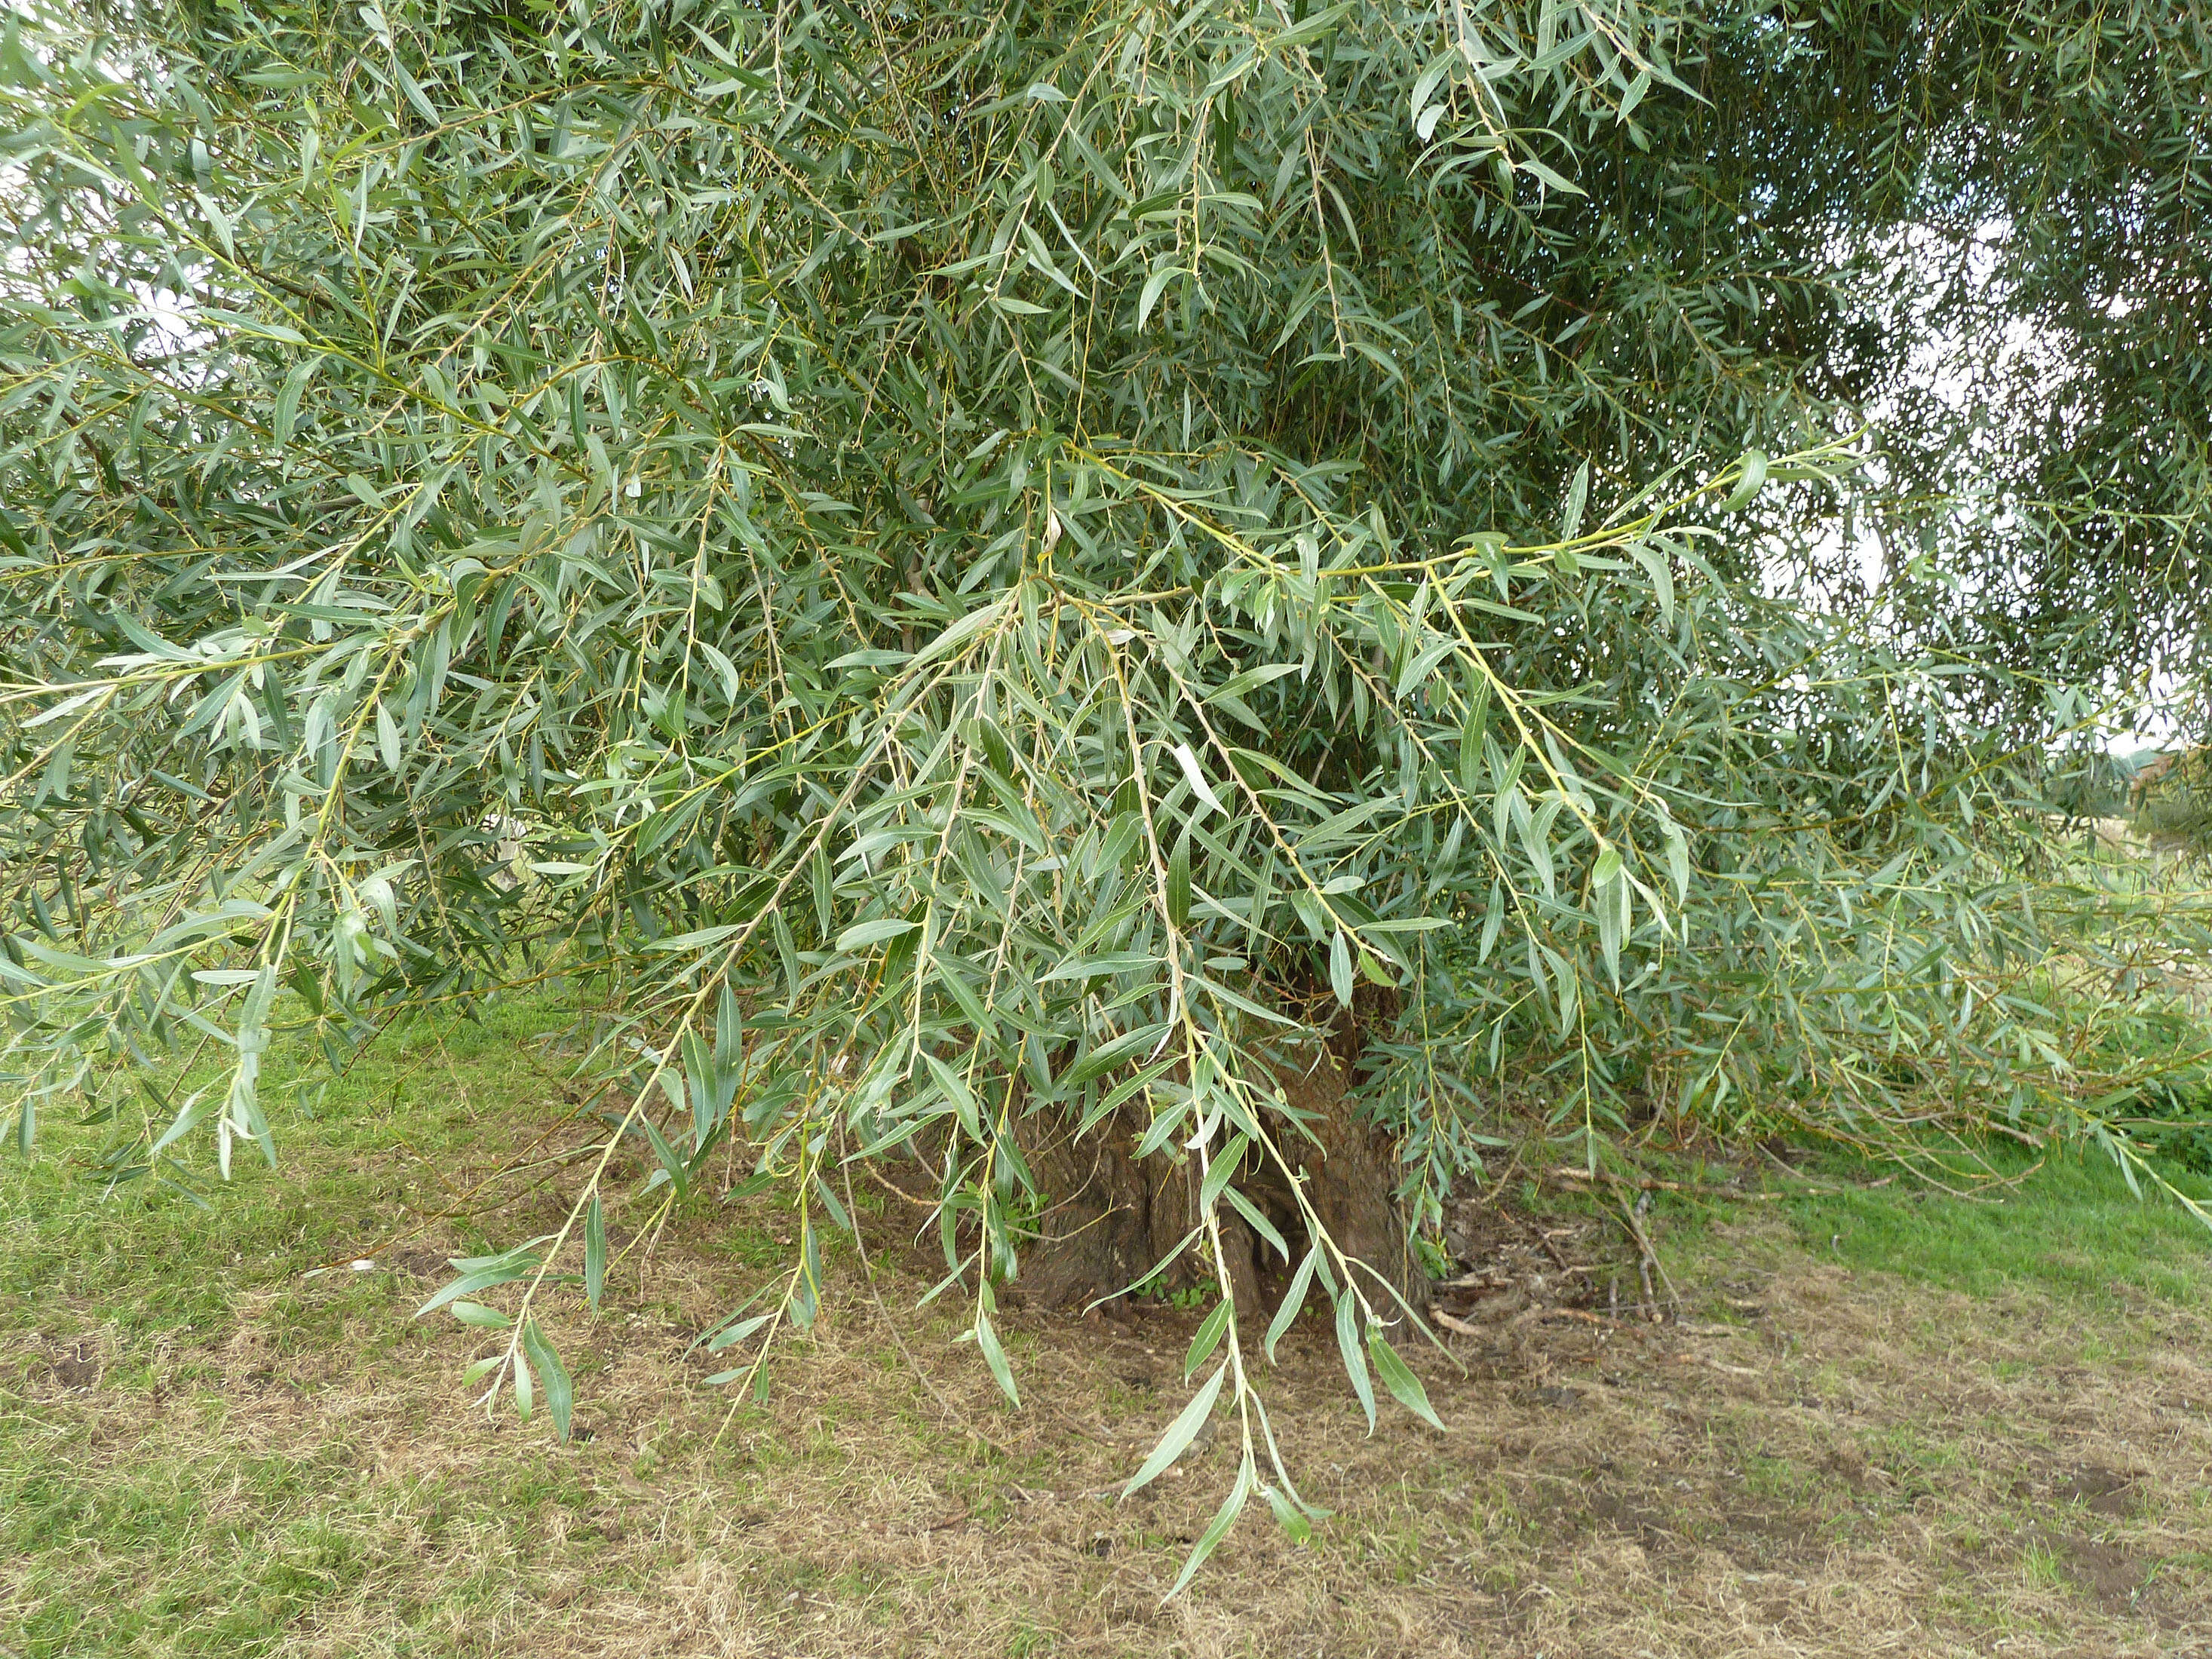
<point x="1805" y="1460"/>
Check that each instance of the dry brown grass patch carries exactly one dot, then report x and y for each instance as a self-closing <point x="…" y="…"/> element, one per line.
<point x="1821" y="1463"/>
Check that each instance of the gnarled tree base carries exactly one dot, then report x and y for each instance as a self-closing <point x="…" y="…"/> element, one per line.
<point x="1116" y="1218"/>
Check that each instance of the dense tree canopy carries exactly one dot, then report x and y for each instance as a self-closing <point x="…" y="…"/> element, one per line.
<point x="1001" y="560"/>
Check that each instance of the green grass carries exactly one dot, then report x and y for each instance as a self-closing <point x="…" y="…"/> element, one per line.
<point x="2069" y="1226"/>
<point x="2066" y="1224"/>
<point x="185" y="1541"/>
<point x="383" y="1146"/>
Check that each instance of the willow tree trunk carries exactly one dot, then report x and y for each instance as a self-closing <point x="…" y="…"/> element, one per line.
<point x="1116" y="1219"/>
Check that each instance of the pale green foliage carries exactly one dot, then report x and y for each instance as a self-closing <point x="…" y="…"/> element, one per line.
<point x="1000" y="563"/>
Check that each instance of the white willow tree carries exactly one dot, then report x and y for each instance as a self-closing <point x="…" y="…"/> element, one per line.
<point x="1025" y="571"/>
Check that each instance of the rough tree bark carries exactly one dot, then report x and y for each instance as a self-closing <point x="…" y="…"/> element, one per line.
<point x="1115" y="1217"/>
